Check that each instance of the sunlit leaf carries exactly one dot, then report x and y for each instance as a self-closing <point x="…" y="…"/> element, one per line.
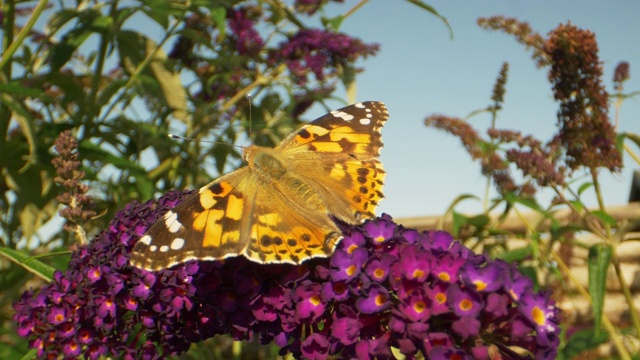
<point x="170" y="83"/>
<point x="599" y="260"/>
<point x="516" y="255"/>
<point x="604" y="217"/>
<point x="34" y="266"/>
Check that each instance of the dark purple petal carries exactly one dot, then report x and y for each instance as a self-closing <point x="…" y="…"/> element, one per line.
<point x="467" y="326"/>
<point x="315" y="347"/>
<point x="346" y="330"/>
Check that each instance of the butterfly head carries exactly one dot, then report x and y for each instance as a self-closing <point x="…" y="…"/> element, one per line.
<point x="265" y="161"/>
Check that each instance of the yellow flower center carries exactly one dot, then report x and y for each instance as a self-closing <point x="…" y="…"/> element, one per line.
<point x="538" y="315"/>
<point x="419" y="307"/>
<point x="480" y="285"/>
<point x="315" y="300"/>
<point x="351" y="248"/>
<point x="378" y="273"/>
<point x="418" y="274"/>
<point x="466" y="305"/>
<point x="351" y="270"/>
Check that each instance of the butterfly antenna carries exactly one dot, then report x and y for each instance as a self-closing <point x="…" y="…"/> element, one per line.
<point x="178" y="137"/>
<point x="249" y="100"/>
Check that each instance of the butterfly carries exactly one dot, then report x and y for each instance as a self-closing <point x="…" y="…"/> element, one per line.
<point x="279" y="208"/>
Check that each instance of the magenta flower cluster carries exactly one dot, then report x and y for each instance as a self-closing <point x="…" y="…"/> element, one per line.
<point x="386" y="287"/>
<point x="320" y="52"/>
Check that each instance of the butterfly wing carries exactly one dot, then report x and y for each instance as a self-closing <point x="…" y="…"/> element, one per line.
<point x="234" y="216"/>
<point x="337" y="155"/>
<point x="278" y="209"/>
<point x="207" y="225"/>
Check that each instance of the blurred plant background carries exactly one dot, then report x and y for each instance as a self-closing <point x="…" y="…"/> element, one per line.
<point x="121" y="76"/>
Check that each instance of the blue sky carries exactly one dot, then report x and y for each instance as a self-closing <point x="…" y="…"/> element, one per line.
<point x="420" y="70"/>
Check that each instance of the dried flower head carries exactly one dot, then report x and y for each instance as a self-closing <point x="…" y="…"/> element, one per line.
<point x="499" y="87"/>
<point x="78" y="204"/>
<point x="585" y="131"/>
<point x="620" y="75"/>
<point x="522" y="32"/>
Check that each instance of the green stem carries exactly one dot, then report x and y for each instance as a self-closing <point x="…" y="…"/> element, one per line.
<point x="91" y="112"/>
<point x="260" y="80"/>
<point x="13" y="46"/>
<point x="5" y="114"/>
<point x="601" y="205"/>
<point x="141" y="67"/>
<point x="633" y="310"/>
<point x="355" y="8"/>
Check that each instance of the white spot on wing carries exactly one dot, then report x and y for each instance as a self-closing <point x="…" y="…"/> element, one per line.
<point x="365" y="121"/>
<point x="343" y="115"/>
<point x="171" y="222"/>
<point x="153" y="248"/>
<point x="177" y="244"/>
<point x="164" y="248"/>
<point x="145" y="240"/>
<point x="359" y="105"/>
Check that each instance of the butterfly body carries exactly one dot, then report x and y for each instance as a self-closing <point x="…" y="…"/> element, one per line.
<point x="279" y="208"/>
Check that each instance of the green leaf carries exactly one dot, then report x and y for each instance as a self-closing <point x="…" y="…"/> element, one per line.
<point x="582" y="341"/>
<point x="72" y="90"/>
<point x="31" y="354"/>
<point x="62" y="51"/>
<point x="219" y="17"/>
<point x="30" y="264"/>
<point x="170" y="83"/>
<point x="528" y="202"/>
<point x="134" y="49"/>
<point x="434" y="12"/>
<point x="584" y="187"/>
<point x="102" y="23"/>
<point x="15" y="88"/>
<point x="459" y="221"/>
<point x="91" y="151"/>
<point x="516" y="255"/>
<point x="479" y="221"/>
<point x="635" y="138"/>
<point x="9" y="351"/>
<point x="532" y="273"/>
<point x="599" y="260"/>
<point x="334" y="23"/>
<point x="61" y="18"/>
<point x="604" y="217"/>
<point x="25" y="121"/>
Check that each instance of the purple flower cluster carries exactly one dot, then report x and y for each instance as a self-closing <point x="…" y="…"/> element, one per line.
<point x="385" y="287"/>
<point x="247" y="39"/>
<point x="320" y="52"/>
